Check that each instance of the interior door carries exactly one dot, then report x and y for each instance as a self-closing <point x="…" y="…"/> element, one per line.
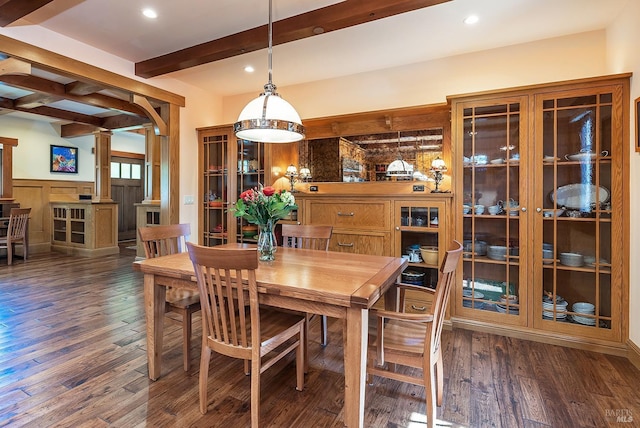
<point x="127" y="189"/>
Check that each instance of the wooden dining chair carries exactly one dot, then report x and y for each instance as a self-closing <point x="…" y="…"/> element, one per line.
<point x="161" y="241"/>
<point x="413" y="340"/>
<point x="16" y="233"/>
<point x="233" y="322"/>
<point x="310" y="237"/>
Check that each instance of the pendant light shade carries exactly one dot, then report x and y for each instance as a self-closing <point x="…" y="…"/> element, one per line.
<point x="269" y="118"/>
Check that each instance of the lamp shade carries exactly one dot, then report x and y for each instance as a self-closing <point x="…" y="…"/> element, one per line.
<point x="438" y="165"/>
<point x="269" y="119"/>
<point x="400" y="168"/>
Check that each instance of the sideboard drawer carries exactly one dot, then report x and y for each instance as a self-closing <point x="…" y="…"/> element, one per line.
<point x="356" y="243"/>
<point x="353" y="215"/>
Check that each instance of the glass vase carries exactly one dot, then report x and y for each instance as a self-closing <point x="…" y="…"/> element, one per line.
<point x="267" y="243"/>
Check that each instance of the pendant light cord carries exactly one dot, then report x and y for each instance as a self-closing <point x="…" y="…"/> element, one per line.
<point x="270" y="45"/>
<point x="269" y="87"/>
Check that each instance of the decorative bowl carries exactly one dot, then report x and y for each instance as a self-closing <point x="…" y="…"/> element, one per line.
<point x="572" y="259"/>
<point x="429" y="255"/>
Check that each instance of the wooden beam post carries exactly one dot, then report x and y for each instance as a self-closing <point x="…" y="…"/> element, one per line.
<point x="103" y="166"/>
<point x="151" y="166"/>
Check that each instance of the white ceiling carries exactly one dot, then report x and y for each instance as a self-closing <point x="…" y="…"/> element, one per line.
<point x="117" y="26"/>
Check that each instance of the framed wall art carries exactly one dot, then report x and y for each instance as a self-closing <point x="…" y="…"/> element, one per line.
<point x="64" y="159"/>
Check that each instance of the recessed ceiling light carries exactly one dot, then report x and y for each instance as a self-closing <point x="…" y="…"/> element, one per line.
<point x="249" y="69"/>
<point x="471" y="19"/>
<point x="149" y="13"/>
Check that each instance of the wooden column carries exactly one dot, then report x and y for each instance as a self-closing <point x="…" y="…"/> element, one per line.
<point x="170" y="165"/>
<point x="151" y="166"/>
<point x="6" y="192"/>
<point x="103" y="166"/>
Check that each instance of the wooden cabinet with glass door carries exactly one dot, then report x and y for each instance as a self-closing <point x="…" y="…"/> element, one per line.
<point x="215" y="160"/>
<point x="540" y="209"/>
<point x="579" y="211"/>
<point x="229" y="166"/>
<point x="420" y="234"/>
<point x="249" y="174"/>
<point x="493" y="196"/>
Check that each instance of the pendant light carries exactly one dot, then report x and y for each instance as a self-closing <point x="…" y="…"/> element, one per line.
<point x="269" y="118"/>
<point x="399" y="168"/>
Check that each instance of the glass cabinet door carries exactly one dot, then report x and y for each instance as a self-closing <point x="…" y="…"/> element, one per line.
<point x="494" y="203"/>
<point x="418" y="231"/>
<point x="574" y="248"/>
<point x="216" y="180"/>
<point x="250" y="174"/>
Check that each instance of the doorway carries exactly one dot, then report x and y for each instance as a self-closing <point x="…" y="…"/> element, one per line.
<point x="127" y="189"/>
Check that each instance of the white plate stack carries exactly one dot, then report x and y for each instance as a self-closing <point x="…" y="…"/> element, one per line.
<point x="560" y="307"/>
<point x="586" y="309"/>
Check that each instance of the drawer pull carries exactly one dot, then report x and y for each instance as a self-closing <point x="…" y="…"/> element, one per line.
<point x="418" y="308"/>
<point x="344" y="244"/>
<point x="341" y="214"/>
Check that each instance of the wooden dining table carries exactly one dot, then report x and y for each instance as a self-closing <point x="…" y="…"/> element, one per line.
<point x="328" y="283"/>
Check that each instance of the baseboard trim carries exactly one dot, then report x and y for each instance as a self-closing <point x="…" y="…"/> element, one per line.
<point x="633" y="353"/>
<point x="586" y="344"/>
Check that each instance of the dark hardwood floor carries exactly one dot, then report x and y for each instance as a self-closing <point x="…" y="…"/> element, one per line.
<point x="72" y="354"/>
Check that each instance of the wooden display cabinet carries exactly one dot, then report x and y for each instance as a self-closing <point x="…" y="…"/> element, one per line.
<point x="227" y="167"/>
<point x="552" y="157"/>
<point x="85" y="229"/>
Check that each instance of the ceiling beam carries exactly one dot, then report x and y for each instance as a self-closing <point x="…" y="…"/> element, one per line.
<point x="71" y="130"/>
<point x="82" y="88"/>
<point x="49" y="87"/>
<point x="12" y="10"/>
<point x="14" y="66"/>
<point x="36" y="100"/>
<point x="330" y="18"/>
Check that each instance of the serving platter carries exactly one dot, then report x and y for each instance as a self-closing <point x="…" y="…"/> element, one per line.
<point x="579" y="195"/>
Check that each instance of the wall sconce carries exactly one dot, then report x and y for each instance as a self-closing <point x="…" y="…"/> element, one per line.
<point x="305" y="174"/>
<point x="437" y="168"/>
<point x="292" y="173"/>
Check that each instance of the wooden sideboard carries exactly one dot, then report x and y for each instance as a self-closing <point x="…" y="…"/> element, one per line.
<point x="383" y="219"/>
<point x="85" y="228"/>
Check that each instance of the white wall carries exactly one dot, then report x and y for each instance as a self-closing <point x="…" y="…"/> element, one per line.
<point x="624" y="55"/>
<point x="562" y="58"/>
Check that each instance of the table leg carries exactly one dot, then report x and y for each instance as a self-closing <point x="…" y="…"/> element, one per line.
<point x="355" y="366"/>
<point x="154" y="301"/>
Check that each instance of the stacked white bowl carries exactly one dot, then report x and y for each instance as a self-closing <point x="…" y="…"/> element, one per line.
<point x="561" y="308"/>
<point x="586" y="309"/>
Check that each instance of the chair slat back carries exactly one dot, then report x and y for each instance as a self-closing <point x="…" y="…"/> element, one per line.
<point x="306" y="236"/>
<point x="227" y="284"/>
<point x="441" y="297"/>
<point x="164" y="239"/>
<point x="18" y="219"/>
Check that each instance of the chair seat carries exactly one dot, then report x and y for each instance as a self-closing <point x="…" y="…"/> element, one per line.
<point x="278" y="321"/>
<point x="404" y="336"/>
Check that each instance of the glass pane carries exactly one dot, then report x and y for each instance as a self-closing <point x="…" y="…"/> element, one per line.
<point x="125" y="170"/>
<point x="115" y="169"/>
<point x="491" y="208"/>
<point x="136" y="171"/>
